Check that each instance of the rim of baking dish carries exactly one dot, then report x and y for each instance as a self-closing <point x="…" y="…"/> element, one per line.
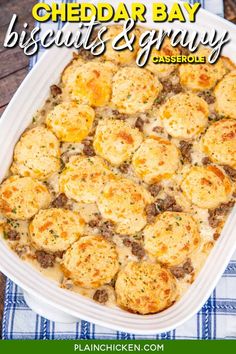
<point x="15" y="119"/>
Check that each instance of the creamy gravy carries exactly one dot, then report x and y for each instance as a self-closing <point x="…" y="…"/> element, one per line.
<point x="88" y="211"/>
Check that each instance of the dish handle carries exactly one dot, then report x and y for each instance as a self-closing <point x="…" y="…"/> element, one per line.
<point x="49" y="312"/>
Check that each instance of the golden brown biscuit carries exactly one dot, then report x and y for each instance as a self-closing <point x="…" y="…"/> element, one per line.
<point x="201" y="77"/>
<point x="162" y="70"/>
<point x="123" y="202"/>
<point x="37" y="154"/>
<point x="225" y="93"/>
<point x="172" y="238"/>
<point x="185" y="115"/>
<point x="83" y="178"/>
<point x="70" y="122"/>
<point x="206" y="187"/>
<point x="55" y="229"/>
<point x="123" y="57"/>
<point x="69" y="70"/>
<point x="145" y="288"/>
<point x="22" y="197"/>
<point x="219" y="142"/>
<point x="116" y="140"/>
<point x="91" y="262"/>
<point x="134" y="90"/>
<point x="91" y="82"/>
<point x="156" y="159"/>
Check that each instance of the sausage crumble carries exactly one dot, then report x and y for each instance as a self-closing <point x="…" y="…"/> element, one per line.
<point x="101" y="296"/>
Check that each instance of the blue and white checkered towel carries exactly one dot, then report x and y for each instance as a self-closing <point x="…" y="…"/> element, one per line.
<point x="216" y="320"/>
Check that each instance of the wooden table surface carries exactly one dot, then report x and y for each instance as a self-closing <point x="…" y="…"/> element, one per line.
<point x="13" y="68"/>
<point x="14" y="64"/>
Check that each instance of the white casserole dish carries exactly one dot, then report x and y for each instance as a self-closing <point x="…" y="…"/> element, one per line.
<point x="44" y="296"/>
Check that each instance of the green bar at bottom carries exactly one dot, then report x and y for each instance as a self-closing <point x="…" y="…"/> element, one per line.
<point x="118" y="346"/>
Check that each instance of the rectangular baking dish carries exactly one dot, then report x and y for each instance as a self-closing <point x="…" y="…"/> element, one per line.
<point x="43" y="295"/>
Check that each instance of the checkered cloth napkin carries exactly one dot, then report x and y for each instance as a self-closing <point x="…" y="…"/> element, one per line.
<point x="216" y="320"/>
